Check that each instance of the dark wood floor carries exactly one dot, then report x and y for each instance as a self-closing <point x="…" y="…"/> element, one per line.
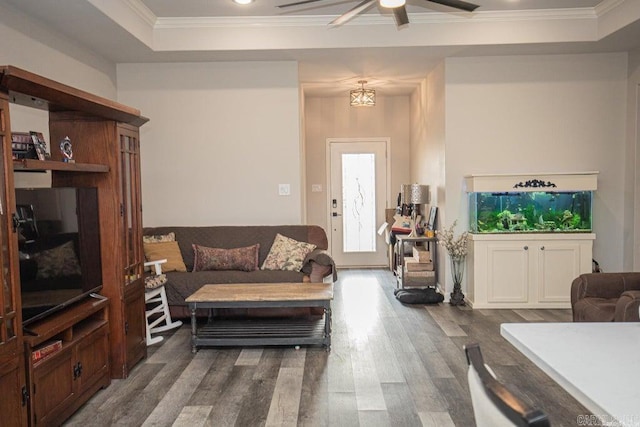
<point x="390" y="364"/>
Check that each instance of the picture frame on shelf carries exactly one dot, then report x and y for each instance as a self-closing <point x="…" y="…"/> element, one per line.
<point x="431" y="222"/>
<point x="39" y="144"/>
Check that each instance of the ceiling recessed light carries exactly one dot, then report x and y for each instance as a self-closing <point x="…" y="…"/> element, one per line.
<point x="392" y="3"/>
<point x="243" y="1"/>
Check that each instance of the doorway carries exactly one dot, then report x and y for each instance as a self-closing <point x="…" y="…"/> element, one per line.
<point x="358" y="191"/>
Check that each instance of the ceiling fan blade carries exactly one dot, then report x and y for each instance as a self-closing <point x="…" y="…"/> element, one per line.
<point x="400" y="15"/>
<point x="457" y="4"/>
<point x="298" y="3"/>
<point x="361" y="7"/>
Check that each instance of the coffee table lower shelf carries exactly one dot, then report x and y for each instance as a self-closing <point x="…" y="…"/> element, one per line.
<point x="262" y="332"/>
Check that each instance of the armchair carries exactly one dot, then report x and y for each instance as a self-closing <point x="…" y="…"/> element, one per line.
<point x="606" y="297"/>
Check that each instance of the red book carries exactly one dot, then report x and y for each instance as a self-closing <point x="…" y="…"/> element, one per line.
<point x="45" y="350"/>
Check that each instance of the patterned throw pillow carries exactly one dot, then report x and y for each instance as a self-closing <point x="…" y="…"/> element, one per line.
<point x="155" y="281"/>
<point x="158" y="238"/>
<point x="287" y="254"/>
<point x="243" y="259"/>
<point x="60" y="261"/>
<point x="165" y="250"/>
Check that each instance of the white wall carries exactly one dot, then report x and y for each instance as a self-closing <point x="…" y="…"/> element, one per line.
<point x="632" y="168"/>
<point x="220" y="139"/>
<point x="27" y="44"/>
<point x="428" y="147"/>
<point x="536" y="114"/>
<point x="335" y="118"/>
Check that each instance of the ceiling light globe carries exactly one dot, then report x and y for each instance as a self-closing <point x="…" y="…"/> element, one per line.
<point x="243" y="1"/>
<point x="392" y="3"/>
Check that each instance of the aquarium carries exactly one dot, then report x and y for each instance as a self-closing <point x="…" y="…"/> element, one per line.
<point x="559" y="203"/>
<point x="530" y="212"/>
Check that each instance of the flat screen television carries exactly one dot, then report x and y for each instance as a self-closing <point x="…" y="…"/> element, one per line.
<point x="59" y="242"/>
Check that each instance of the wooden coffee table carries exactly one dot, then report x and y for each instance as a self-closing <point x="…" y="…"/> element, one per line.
<point x="263" y="331"/>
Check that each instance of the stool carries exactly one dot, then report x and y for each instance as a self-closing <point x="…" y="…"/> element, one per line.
<point x="158" y="318"/>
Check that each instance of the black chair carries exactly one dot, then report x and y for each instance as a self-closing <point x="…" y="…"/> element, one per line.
<point x="493" y="404"/>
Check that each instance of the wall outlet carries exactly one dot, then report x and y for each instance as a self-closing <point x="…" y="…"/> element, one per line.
<point x="316" y="188"/>
<point x="284" y="189"/>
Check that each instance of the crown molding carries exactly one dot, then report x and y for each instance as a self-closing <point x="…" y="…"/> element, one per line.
<point x="242" y="21"/>
<point x="142" y="11"/>
<point x="607" y="6"/>
<point x="372" y="19"/>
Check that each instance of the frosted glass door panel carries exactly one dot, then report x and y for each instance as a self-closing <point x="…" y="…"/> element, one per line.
<point x="358" y="202"/>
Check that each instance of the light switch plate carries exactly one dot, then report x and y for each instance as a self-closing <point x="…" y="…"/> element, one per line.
<point x="284" y="189"/>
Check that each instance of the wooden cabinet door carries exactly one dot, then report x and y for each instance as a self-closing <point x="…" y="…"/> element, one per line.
<point x="92" y="354"/>
<point x="13" y="404"/>
<point x="53" y="387"/>
<point x="135" y="324"/>
<point x="12" y="374"/>
<point x="133" y="256"/>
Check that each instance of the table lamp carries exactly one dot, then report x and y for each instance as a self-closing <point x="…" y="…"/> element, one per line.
<point x="416" y="195"/>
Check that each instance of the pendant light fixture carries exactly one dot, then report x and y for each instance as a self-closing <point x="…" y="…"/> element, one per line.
<point x="363" y="97"/>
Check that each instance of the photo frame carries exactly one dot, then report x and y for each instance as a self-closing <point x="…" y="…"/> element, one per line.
<point x="39" y="144"/>
<point x="431" y="222"/>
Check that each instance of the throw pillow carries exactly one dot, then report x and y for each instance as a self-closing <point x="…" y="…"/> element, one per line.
<point x="153" y="282"/>
<point x="165" y="250"/>
<point x="158" y="238"/>
<point x="60" y="261"/>
<point x="244" y="259"/>
<point x="287" y="254"/>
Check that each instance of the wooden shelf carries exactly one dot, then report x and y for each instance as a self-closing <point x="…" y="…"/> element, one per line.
<point x="35" y="91"/>
<point x="39" y="165"/>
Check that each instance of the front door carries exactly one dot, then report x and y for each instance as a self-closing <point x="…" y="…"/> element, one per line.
<point x="358" y="198"/>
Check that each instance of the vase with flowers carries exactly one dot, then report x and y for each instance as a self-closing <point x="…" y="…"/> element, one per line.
<point x="457" y="250"/>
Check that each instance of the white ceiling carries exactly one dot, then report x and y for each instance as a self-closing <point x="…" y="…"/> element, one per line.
<point x="169" y="8"/>
<point x="332" y="60"/>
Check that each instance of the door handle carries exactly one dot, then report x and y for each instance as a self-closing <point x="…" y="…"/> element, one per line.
<point x="336" y="214"/>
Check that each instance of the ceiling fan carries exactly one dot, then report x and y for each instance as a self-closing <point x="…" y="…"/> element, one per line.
<point x="399" y="12"/>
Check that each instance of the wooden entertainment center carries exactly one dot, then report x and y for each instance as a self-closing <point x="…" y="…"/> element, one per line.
<point x="102" y="336"/>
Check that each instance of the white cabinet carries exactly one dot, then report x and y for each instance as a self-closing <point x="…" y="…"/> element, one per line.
<point x="526" y="271"/>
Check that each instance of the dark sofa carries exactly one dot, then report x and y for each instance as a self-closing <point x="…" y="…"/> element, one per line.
<point x="606" y="297"/>
<point x="318" y="265"/>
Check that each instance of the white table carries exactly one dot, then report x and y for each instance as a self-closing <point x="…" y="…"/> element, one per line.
<point x="597" y="363"/>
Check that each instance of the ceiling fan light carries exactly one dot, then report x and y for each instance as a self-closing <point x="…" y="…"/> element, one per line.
<point x="392" y="3"/>
<point x="362" y="97"/>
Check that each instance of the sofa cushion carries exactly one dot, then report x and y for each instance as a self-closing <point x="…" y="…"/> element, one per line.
<point x="244" y="259"/>
<point x="287" y="254"/>
<point x="230" y="236"/>
<point x="165" y="250"/>
<point x="158" y="238"/>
